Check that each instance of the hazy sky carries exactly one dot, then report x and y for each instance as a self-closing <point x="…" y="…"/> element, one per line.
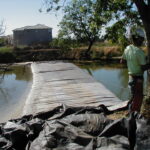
<point x="19" y="13"/>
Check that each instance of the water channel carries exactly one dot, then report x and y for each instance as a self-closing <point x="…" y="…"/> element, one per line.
<point x="14" y="88"/>
<point x="16" y="83"/>
<point x="113" y="76"/>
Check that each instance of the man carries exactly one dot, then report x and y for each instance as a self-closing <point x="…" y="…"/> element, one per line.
<point x="136" y="62"/>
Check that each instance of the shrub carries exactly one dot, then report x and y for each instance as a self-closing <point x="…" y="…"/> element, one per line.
<point x="112" y="51"/>
<point x="97" y="54"/>
<point x="5" y="49"/>
<point x="7" y="57"/>
<point x="2" y="42"/>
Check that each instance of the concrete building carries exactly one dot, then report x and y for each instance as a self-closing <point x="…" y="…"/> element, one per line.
<point x="32" y="35"/>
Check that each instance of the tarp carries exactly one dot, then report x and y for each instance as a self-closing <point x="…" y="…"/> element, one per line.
<point x="75" y="128"/>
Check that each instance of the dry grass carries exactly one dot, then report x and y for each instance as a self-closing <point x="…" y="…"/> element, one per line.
<point x="97" y="52"/>
<point x="118" y="115"/>
<point x="112" y="51"/>
<point x="146" y="109"/>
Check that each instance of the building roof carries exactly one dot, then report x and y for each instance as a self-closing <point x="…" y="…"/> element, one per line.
<point x="38" y="26"/>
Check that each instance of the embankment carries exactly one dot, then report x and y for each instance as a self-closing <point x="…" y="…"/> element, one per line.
<point x="110" y="53"/>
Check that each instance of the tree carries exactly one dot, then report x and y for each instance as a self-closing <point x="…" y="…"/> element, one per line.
<point x="84" y="21"/>
<point x="129" y="12"/>
<point x="125" y="15"/>
<point x="126" y="12"/>
<point x="2" y="28"/>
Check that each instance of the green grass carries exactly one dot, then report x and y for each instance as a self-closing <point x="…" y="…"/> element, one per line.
<point x="6" y="49"/>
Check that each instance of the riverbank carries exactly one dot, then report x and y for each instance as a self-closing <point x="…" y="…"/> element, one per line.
<point x="9" y="55"/>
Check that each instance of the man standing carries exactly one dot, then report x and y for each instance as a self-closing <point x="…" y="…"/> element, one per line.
<point x="136" y="62"/>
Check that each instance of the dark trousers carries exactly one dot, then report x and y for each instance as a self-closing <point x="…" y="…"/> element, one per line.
<point x="136" y="88"/>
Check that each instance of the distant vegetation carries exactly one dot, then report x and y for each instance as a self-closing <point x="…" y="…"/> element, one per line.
<point x="6" y="49"/>
<point x="117" y="15"/>
<point x="2" y="27"/>
<point x="60" y="49"/>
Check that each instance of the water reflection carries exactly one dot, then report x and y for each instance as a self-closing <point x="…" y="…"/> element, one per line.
<point x="113" y="76"/>
<point x="20" y="72"/>
<point x="14" y="86"/>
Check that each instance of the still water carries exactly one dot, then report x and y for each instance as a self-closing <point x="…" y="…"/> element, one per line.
<point x="16" y="83"/>
<point x="113" y="76"/>
<point x="14" y="87"/>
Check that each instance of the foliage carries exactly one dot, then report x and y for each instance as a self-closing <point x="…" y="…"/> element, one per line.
<point x="124" y="13"/>
<point x="97" y="54"/>
<point x="2" y="42"/>
<point x="128" y="13"/>
<point x="5" y="49"/>
<point x="84" y="21"/>
<point x="61" y="43"/>
<point x="116" y="34"/>
<point x="7" y="55"/>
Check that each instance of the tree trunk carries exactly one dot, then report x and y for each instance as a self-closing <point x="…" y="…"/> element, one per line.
<point x="87" y="53"/>
<point x="147" y="31"/>
<point x="144" y="10"/>
<point x="146" y="24"/>
<point x="90" y="45"/>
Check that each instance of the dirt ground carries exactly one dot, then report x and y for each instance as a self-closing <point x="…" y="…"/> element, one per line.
<point x="118" y="115"/>
<point x="145" y="111"/>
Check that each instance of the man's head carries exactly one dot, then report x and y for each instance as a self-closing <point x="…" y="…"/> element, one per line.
<point x="137" y="36"/>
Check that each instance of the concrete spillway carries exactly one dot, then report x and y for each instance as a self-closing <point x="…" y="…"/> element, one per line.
<point x="57" y="83"/>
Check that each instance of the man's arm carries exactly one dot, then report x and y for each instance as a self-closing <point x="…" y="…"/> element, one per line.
<point x="123" y="58"/>
<point x="123" y="61"/>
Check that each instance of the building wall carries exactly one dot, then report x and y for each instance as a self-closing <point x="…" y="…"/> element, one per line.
<point x="32" y="36"/>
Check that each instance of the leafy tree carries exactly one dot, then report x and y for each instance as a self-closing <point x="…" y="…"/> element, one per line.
<point x="128" y="13"/>
<point x="84" y="21"/>
<point x="124" y="14"/>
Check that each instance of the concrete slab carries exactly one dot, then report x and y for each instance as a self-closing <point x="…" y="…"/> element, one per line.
<point x="57" y="83"/>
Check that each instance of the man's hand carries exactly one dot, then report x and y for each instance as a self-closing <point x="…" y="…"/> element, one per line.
<point x="123" y="61"/>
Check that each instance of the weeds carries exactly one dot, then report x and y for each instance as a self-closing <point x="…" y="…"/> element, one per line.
<point x="6" y="49"/>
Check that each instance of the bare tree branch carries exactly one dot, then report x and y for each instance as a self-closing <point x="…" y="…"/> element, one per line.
<point x="2" y="28"/>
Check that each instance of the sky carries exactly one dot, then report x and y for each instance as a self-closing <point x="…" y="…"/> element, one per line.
<point x="20" y="13"/>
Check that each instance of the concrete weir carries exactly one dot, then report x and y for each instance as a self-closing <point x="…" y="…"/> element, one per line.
<point x="57" y="83"/>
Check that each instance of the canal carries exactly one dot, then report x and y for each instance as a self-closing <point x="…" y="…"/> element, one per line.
<point x="16" y="83"/>
<point x="14" y="87"/>
<point x="113" y="76"/>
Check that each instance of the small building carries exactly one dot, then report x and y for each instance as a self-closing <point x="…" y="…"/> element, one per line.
<point x="32" y="35"/>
